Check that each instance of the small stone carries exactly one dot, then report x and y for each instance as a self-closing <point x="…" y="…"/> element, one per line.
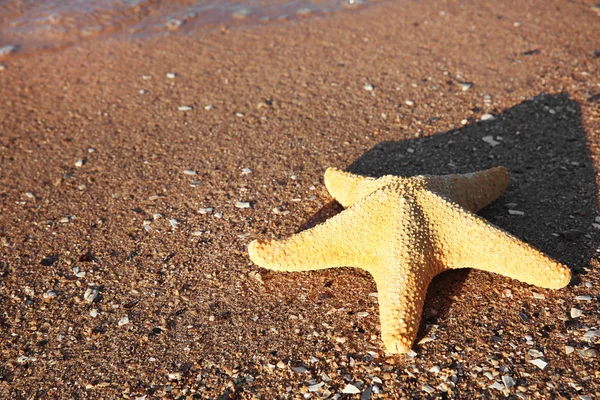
<point x="538" y="296"/>
<point x="465" y="85"/>
<point x="174" y="223"/>
<point x="362" y="314"/>
<point x="93" y="313"/>
<point x="189" y="172"/>
<point x="426" y="339"/>
<point x="569" y="349"/>
<point x="538" y="362"/>
<point x="218" y="215"/>
<point x="79" y="163"/>
<point x="583" y="298"/>
<point x="590" y="353"/>
<point x="576" y="313"/>
<point x="91" y="294"/>
<point x="206" y="210"/>
<point x="123" y="321"/>
<point x="242" y="204"/>
<point x="316" y="387"/>
<point x="427" y="388"/>
<point x="281" y="365"/>
<point x="299" y="370"/>
<point x="350" y="389"/>
<point x="409" y="103"/>
<point x="6" y="50"/>
<point x="50" y="294"/>
<point x="174" y="376"/>
<point x="508" y="381"/>
<point x="535" y="353"/>
<point x="489" y="375"/>
<point x="411" y="354"/>
<point x="22" y="359"/>
<point x="246" y="171"/>
<point x="464" y="121"/>
<point x="239" y="115"/>
<point x="435" y="369"/>
<point x="490" y="140"/>
<point x="368" y="87"/>
<point x="497" y="385"/>
<point x="174" y="24"/>
<point x="209" y="107"/>
<point x="516" y="212"/>
<point x="170" y="75"/>
<point x="184" y="108"/>
<point x="487" y="117"/>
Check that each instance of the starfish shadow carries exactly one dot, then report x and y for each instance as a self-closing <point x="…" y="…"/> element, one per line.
<point x="543" y="145"/>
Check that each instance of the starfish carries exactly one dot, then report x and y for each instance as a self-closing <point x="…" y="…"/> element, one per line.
<point x="405" y="231"/>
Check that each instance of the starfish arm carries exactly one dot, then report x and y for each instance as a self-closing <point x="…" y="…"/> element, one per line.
<point x="401" y="294"/>
<point x="347" y="188"/>
<point x="465" y="240"/>
<point x="473" y="191"/>
<point x="346" y="239"/>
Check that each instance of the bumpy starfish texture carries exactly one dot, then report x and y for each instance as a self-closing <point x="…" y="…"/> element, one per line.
<point x="405" y="231"/>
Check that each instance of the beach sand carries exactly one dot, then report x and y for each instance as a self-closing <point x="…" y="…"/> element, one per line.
<point x="99" y="221"/>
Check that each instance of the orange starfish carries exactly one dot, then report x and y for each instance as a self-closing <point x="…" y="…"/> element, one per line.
<point x="405" y="231"/>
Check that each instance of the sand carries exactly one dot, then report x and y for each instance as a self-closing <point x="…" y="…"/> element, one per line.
<point x="99" y="221"/>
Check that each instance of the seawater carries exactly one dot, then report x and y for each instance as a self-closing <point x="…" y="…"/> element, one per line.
<point x="28" y="26"/>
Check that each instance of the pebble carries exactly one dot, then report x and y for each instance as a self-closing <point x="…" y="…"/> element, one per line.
<point x="189" y="172"/>
<point x="350" y="389"/>
<point x="173" y="223"/>
<point x="206" y="210"/>
<point x="93" y="313"/>
<point x="591" y="334"/>
<point x="535" y="353"/>
<point x="465" y="85"/>
<point x="174" y="24"/>
<point x="299" y="370"/>
<point x="50" y="294"/>
<point x="78" y="272"/>
<point x="90" y="295"/>
<point x="22" y="359"/>
<point x="218" y="215"/>
<point x="569" y="349"/>
<point x="427" y="388"/>
<point x="369" y="87"/>
<point x="583" y="298"/>
<point x="123" y="321"/>
<point x="79" y="163"/>
<point x="6" y="50"/>
<point x="239" y="115"/>
<point x="487" y="117"/>
<point x="174" y="376"/>
<point x="246" y="171"/>
<point x="316" y="387"/>
<point x="409" y="103"/>
<point x="590" y="353"/>
<point x="435" y="369"/>
<point x="281" y="365"/>
<point x="184" y="108"/>
<point x="508" y="381"/>
<point x="497" y="385"/>
<point x="516" y="212"/>
<point x="541" y="364"/>
<point x="538" y="296"/>
<point x="209" y="107"/>
<point x="576" y="313"/>
<point x="490" y="140"/>
<point x="411" y="354"/>
<point x="242" y="204"/>
<point x="170" y="75"/>
<point x="489" y="375"/>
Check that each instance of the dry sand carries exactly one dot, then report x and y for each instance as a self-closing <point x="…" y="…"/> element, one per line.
<point x="288" y="100"/>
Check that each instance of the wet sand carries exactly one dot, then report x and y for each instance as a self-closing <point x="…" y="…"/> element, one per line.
<point x="99" y="219"/>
